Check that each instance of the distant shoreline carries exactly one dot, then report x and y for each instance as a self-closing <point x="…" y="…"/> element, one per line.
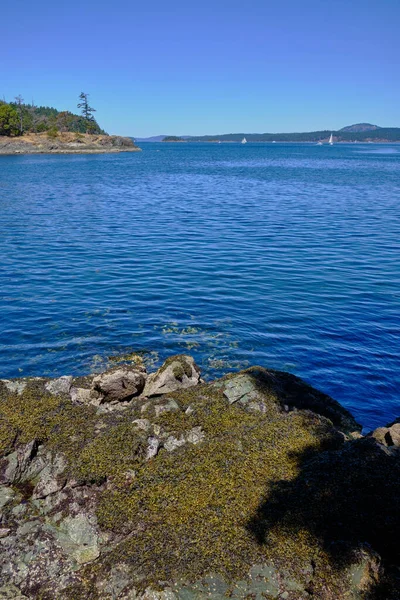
<point x="312" y="143"/>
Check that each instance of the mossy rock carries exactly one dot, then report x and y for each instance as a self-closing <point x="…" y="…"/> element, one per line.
<point x="271" y="485"/>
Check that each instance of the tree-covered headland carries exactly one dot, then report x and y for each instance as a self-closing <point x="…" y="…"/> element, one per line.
<point x="19" y="118"/>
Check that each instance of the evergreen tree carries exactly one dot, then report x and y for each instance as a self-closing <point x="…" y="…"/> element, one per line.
<point x="87" y="111"/>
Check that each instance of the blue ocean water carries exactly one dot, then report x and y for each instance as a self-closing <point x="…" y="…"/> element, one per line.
<point x="282" y="255"/>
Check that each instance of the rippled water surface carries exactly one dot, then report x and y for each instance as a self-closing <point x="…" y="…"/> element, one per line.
<point x="281" y="255"/>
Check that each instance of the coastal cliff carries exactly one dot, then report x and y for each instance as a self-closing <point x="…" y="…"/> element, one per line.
<point x="136" y="486"/>
<point x="65" y="143"/>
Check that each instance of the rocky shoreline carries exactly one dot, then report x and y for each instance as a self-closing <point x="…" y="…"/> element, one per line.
<point x="66" y="143"/>
<point x="136" y="486"/>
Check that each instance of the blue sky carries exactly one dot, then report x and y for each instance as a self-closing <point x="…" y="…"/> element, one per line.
<point x="184" y="67"/>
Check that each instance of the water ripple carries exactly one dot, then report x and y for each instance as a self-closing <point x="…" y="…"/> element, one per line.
<point x="282" y="255"/>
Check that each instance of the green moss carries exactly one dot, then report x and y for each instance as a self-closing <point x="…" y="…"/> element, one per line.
<point x="36" y="414"/>
<point x="180" y="366"/>
<point x="8" y="436"/>
<point x="190" y="508"/>
<point x="121" y="448"/>
<point x="131" y="357"/>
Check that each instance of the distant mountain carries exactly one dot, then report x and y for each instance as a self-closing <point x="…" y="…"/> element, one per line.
<point x="360" y="127"/>
<point x="153" y="138"/>
<point x="159" y="138"/>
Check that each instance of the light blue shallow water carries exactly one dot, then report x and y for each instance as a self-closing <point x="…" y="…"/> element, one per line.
<point x="281" y="255"/>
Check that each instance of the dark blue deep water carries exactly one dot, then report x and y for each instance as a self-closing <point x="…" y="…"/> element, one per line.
<point x="282" y="255"/>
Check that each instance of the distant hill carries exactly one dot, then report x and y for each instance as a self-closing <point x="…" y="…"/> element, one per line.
<point x="160" y="138"/>
<point x="153" y="138"/>
<point x="363" y="132"/>
<point x="360" y="127"/>
<point x="360" y="132"/>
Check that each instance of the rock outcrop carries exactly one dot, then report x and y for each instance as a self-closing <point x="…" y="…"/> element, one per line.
<point x="66" y="143"/>
<point x="131" y="486"/>
<point x="178" y="372"/>
<point x="119" y="384"/>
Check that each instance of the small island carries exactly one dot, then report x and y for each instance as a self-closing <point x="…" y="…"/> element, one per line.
<point x="30" y="129"/>
<point x="173" y="138"/>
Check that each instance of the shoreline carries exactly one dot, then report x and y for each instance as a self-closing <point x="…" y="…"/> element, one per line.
<point x="261" y="484"/>
<point x="65" y="143"/>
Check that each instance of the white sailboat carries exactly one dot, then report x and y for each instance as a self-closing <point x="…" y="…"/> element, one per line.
<point x="331" y="140"/>
<point x="244" y="141"/>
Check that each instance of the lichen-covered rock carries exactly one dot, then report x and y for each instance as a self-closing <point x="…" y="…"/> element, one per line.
<point x="178" y="372"/>
<point x="62" y="385"/>
<point x="254" y="386"/>
<point x="51" y="477"/>
<point x="241" y="488"/>
<point x="119" y="384"/>
<point x="78" y="538"/>
<point x="80" y="395"/>
<point x="17" y="466"/>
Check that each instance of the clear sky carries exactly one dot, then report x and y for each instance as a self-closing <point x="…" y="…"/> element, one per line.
<point x="184" y="67"/>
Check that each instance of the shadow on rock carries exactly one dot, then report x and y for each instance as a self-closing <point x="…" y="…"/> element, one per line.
<point x="348" y="502"/>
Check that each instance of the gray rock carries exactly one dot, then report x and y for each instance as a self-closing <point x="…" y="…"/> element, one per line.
<point x="11" y="592"/>
<point x="178" y="372"/>
<point x="171" y="405"/>
<point x="15" y="386"/>
<point x="150" y="594"/>
<point x="240" y="388"/>
<point x="118" y="578"/>
<point x="6" y="495"/>
<point x="172" y="443"/>
<point x="152" y="448"/>
<point x="143" y="424"/>
<point x="62" y="385"/>
<point x="50" y="477"/>
<point x="80" y="395"/>
<point x="119" y="384"/>
<point x="4" y="532"/>
<point x="78" y="538"/>
<point x="195" y="435"/>
<point x="17" y="466"/>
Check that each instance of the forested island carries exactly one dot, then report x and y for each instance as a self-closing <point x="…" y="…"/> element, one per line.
<point x="30" y="129"/>
<point x="173" y="138"/>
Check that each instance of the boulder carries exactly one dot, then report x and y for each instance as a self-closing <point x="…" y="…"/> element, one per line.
<point x="62" y="385"/>
<point x="152" y="448"/>
<point x="119" y="384"/>
<point x="17" y="466"/>
<point x="258" y="388"/>
<point x="80" y="395"/>
<point x="389" y="435"/>
<point x="78" y="538"/>
<point x="178" y="372"/>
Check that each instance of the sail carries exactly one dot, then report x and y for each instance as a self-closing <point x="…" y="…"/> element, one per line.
<point x="331" y="139"/>
<point x="244" y="141"/>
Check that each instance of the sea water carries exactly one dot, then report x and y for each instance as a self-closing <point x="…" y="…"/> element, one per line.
<point x="280" y="255"/>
